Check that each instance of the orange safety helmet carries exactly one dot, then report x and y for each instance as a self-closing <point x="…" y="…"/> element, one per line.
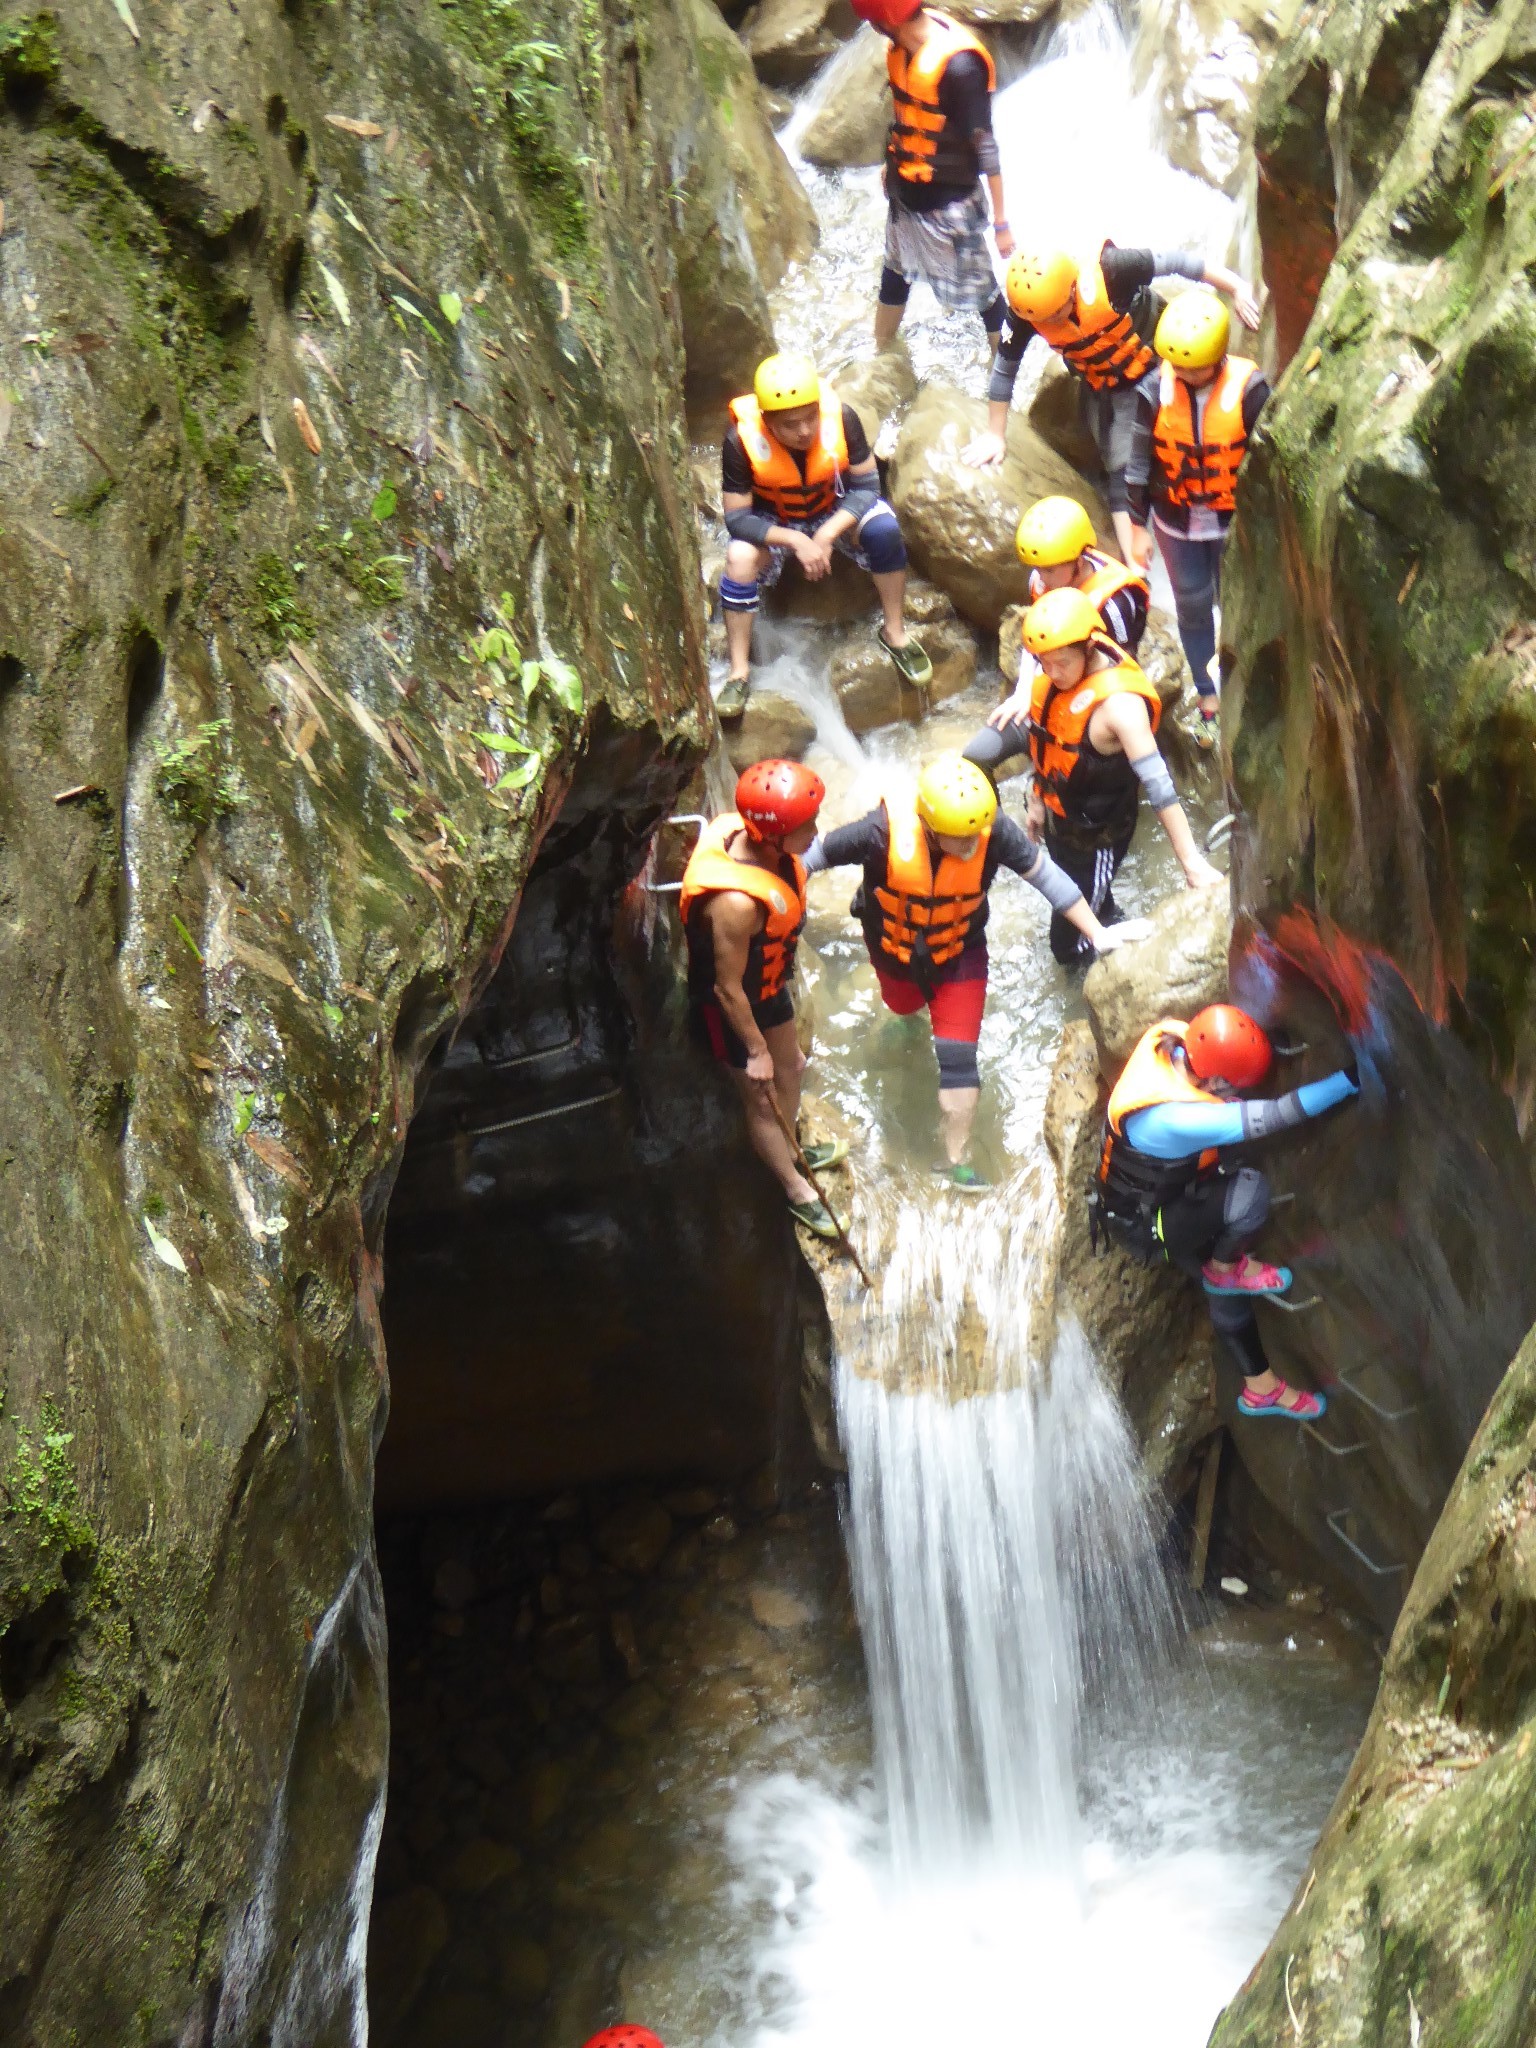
<point x="886" y="14"/>
<point x="774" y="797"/>
<point x="625" y="2037"/>
<point x="1223" y="1043"/>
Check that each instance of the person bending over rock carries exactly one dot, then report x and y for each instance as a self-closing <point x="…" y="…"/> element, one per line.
<point x="798" y="478"/>
<point x="929" y="861"/>
<point x="939" y="150"/>
<point x="1087" y="722"/>
<point x="1168" y="1186"/>
<point x="1098" y="313"/>
<point x="1193" y="420"/>
<point x="743" y="907"/>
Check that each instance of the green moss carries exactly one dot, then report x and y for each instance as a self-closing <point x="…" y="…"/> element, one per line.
<point x="378" y="579"/>
<point x="234" y="481"/>
<point x="29" y="48"/>
<point x="196" y="780"/>
<point x="89" y="502"/>
<point x="43" y="1490"/>
<point x="275" y="600"/>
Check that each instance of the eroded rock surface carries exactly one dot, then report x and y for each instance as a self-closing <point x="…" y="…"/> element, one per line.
<point x="1414" y="1919"/>
<point x="341" y="328"/>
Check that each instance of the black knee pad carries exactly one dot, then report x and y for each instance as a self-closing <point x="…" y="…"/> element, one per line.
<point x="1246" y="1210"/>
<point x="957" y="1063"/>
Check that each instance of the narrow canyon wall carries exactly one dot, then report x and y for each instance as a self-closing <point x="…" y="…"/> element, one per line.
<point x="338" y="337"/>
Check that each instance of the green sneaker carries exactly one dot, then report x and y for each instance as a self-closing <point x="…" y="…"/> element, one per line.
<point x="912" y="663"/>
<point x="820" y="1157"/>
<point x="732" y="700"/>
<point x="963" y="1177"/>
<point x="815" y="1217"/>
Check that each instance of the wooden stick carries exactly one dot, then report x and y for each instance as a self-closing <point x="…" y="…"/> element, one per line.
<point x="800" y="1160"/>
<point x="1205" y="1507"/>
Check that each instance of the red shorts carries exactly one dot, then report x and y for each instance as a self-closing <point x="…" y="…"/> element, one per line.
<point x="958" y="999"/>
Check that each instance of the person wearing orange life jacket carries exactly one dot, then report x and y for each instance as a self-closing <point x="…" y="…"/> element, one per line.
<point x="797" y="477"/>
<point x="1166" y="1190"/>
<point x="1057" y="544"/>
<point x="939" y="150"/>
<point x="1193" y="421"/>
<point x="929" y="861"/>
<point x="743" y="907"/>
<point x="1097" y="312"/>
<point x="1092" y="718"/>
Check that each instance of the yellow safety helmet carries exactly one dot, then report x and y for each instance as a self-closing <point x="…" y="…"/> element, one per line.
<point x="784" y="382"/>
<point x="1193" y="332"/>
<point x="1053" y="531"/>
<point x="1039" y="285"/>
<point x="1062" y="618"/>
<point x="954" y="797"/>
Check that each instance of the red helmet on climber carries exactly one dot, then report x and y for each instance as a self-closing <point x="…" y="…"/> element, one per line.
<point x="625" y="2037"/>
<point x="774" y="797"/>
<point x="1223" y="1043"/>
<point x="886" y="14"/>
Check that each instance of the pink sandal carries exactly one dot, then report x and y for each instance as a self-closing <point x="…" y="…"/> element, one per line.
<point x="1307" y="1407"/>
<point x="1250" y="1276"/>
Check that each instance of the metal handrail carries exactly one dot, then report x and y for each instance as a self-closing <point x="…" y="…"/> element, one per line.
<point x="1380" y="1571"/>
<point x="535" y="1116"/>
<point x="1334" y="1450"/>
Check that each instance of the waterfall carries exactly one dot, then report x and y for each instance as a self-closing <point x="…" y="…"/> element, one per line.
<point x="1003" y="1554"/>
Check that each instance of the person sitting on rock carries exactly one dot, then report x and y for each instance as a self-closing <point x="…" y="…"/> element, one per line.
<point x="1057" y="544"/>
<point x="1097" y="313"/>
<point x="929" y="861"/>
<point x="743" y="907"/>
<point x="1168" y="1188"/>
<point x="1089" y="728"/>
<point x="798" y="479"/>
<point x="940" y="148"/>
<point x="1192" y="425"/>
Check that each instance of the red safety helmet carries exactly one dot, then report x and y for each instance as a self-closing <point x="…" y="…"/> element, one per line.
<point x="1224" y="1044"/>
<point x="625" y="2037"/>
<point x="886" y="14"/>
<point x="773" y="797"/>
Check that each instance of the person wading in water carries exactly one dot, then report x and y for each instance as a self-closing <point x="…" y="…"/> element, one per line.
<point x="1167" y="1187"/>
<point x="743" y="907"/>
<point x="929" y="861"/>
<point x="1089" y="731"/>
<point x="940" y="148"/>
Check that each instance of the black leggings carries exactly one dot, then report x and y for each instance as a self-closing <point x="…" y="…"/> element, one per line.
<point x="895" y="290"/>
<point x="1219" y="1219"/>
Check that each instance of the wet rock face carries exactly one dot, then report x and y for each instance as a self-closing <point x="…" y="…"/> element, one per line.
<point x="344" y="324"/>
<point x="1379" y="586"/>
<point x="1414" y="1919"/>
<point x="1204" y="65"/>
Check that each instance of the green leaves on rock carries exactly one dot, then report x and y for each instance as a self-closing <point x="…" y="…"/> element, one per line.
<point x="451" y="306"/>
<point x="385" y="503"/>
<point x="163" y="1249"/>
<point x="338" y="294"/>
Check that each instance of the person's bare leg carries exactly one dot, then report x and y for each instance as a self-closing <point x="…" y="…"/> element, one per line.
<point x="783" y="1041"/>
<point x="768" y="1141"/>
<point x="887" y="324"/>
<point x="957" y="1112"/>
<point x="744" y="563"/>
<point x="891" y="589"/>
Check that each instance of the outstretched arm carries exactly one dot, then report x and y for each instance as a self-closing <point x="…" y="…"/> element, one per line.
<point x="1125" y="715"/>
<point x="1178" y="1130"/>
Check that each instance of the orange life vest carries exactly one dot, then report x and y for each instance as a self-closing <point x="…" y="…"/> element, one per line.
<point x="711" y="871"/>
<point x="940" y="904"/>
<point x="1106" y="579"/>
<point x="1198" y="465"/>
<point x="1058" y="731"/>
<point x="776" y="475"/>
<point x="920" y="149"/>
<point x="1152" y="1076"/>
<point x="1102" y="345"/>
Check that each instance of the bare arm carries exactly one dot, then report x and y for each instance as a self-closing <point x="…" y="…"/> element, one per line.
<point x="1121" y="725"/>
<point x="735" y="921"/>
<point x="1238" y="289"/>
<point x="838" y="522"/>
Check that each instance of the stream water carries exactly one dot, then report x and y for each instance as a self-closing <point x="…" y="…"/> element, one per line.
<point x="1083" y="1812"/>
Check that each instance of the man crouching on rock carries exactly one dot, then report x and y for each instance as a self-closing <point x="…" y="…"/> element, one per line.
<point x="798" y="478"/>
<point x="743" y="908"/>
<point x="1169" y="1188"/>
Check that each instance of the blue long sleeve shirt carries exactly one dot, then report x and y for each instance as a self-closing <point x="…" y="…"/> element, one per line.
<point x="1182" y="1130"/>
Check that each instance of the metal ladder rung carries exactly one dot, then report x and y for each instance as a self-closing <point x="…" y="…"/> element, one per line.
<point x="535" y="1116"/>
<point x="675" y="888"/>
<point x="1380" y="1571"/>
<point x="1383" y="1414"/>
<point x="1334" y="1450"/>
<point x="1292" y="1308"/>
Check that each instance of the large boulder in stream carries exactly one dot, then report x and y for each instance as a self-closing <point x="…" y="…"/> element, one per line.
<point x="852" y="116"/>
<point x="1414" y="1920"/>
<point x="742" y="216"/>
<point x="1180" y="968"/>
<point x="276" y="813"/>
<point x="959" y="522"/>
<point x="788" y="39"/>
